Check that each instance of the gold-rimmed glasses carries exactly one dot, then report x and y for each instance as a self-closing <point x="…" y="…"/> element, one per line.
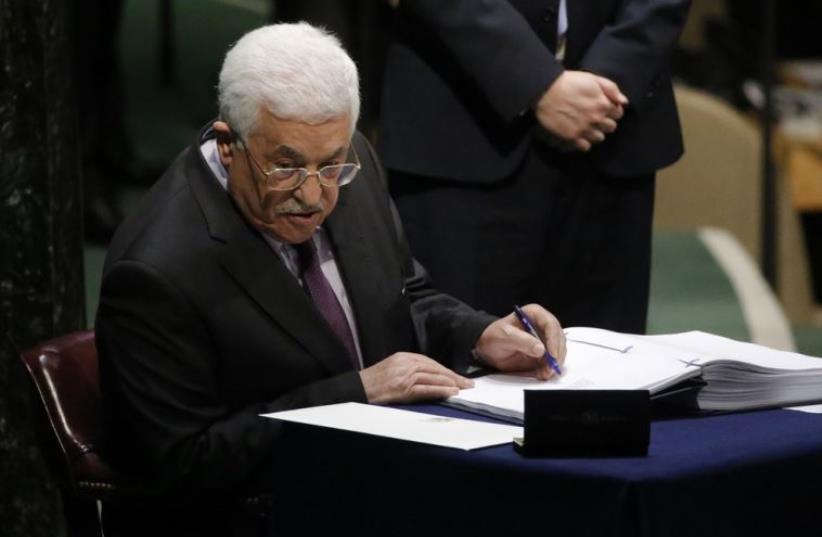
<point x="333" y="175"/>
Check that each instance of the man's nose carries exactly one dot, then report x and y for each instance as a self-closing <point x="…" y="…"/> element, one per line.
<point x="311" y="191"/>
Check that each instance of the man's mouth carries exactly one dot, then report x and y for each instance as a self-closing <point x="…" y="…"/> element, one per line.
<point x="302" y="216"/>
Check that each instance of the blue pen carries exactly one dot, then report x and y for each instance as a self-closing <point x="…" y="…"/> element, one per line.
<point x="526" y="322"/>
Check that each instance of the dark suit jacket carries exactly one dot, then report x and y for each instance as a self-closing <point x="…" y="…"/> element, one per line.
<point x="463" y="74"/>
<point x="201" y="328"/>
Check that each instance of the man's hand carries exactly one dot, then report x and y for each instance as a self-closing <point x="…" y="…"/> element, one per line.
<point x="507" y="346"/>
<point x="580" y="108"/>
<point x="405" y="377"/>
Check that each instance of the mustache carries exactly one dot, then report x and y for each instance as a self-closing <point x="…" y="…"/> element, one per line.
<point x="294" y="206"/>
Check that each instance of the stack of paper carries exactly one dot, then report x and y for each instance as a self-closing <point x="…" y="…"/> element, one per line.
<point x="741" y="376"/>
<point x="738" y="375"/>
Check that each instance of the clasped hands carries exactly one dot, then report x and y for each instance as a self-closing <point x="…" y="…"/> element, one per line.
<point x="405" y="377"/>
<point x="580" y="108"/>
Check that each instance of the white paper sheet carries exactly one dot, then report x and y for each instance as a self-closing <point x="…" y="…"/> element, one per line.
<point x="403" y="425"/>
<point x="811" y="409"/>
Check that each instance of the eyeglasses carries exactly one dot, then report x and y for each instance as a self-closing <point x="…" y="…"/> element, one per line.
<point x="334" y="175"/>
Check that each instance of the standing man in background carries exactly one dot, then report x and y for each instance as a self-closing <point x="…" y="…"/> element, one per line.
<point x="522" y="140"/>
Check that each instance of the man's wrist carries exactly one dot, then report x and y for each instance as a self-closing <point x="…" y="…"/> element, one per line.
<point x="475" y="367"/>
<point x="535" y="102"/>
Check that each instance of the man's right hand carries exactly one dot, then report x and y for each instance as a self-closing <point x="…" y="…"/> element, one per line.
<point x="405" y="377"/>
<point x="580" y="108"/>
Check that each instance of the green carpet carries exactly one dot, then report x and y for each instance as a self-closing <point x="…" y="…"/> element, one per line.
<point x="689" y="291"/>
<point x="808" y="340"/>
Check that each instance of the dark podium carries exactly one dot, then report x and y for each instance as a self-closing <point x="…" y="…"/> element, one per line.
<point x="755" y="473"/>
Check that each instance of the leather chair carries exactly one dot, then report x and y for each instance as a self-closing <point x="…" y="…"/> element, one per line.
<point x="65" y="376"/>
<point x="64" y="373"/>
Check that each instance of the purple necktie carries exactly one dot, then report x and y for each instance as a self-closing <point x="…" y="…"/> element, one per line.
<point x="324" y="297"/>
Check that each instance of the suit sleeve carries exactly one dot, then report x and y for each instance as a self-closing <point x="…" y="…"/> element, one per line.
<point x="161" y="391"/>
<point x="446" y="328"/>
<point x="494" y="46"/>
<point x="636" y="47"/>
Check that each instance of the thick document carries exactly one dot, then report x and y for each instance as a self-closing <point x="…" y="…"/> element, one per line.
<point x="719" y="373"/>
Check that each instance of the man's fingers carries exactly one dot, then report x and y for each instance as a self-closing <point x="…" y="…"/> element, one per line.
<point x="574" y="106"/>
<point x="423" y="391"/>
<point x="611" y="90"/>
<point x="556" y="342"/>
<point x="432" y="367"/>
<point x="582" y="144"/>
<point x="404" y="377"/>
<point x="606" y="125"/>
<point x="561" y="345"/>
<point x="615" y="112"/>
<point x="436" y="379"/>
<point x="544" y="372"/>
<point x="523" y="342"/>
<point x="550" y="328"/>
<point x="432" y="379"/>
<point x="594" y="136"/>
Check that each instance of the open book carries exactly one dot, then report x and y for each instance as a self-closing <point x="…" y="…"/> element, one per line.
<point x="736" y="375"/>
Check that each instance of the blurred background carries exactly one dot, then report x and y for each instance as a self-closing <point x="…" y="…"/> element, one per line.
<point x="98" y="96"/>
<point x="166" y="55"/>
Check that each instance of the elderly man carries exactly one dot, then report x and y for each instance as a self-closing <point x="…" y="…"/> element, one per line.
<point x="267" y="270"/>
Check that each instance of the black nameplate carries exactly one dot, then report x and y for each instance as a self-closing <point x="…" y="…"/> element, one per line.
<point x="585" y="423"/>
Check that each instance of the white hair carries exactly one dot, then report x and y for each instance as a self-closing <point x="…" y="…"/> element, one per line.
<point x="296" y="71"/>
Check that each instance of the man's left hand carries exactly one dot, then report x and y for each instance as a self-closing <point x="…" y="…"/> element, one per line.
<point x="506" y="345"/>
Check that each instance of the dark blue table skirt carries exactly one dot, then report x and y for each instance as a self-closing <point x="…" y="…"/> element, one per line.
<point x="753" y="473"/>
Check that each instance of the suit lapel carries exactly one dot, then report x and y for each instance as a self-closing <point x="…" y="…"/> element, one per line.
<point x="261" y="272"/>
<point x="255" y="267"/>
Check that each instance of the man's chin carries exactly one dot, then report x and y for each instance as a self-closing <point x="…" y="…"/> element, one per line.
<point x="293" y="228"/>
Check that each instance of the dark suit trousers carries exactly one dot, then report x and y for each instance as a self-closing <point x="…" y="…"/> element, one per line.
<point x="556" y="232"/>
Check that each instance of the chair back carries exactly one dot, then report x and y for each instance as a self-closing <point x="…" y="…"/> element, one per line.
<point x="65" y="377"/>
<point x="718" y="183"/>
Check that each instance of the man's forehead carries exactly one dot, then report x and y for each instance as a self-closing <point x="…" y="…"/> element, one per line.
<point x="337" y="128"/>
<point x="265" y="116"/>
<point x="286" y="151"/>
<point x="295" y="138"/>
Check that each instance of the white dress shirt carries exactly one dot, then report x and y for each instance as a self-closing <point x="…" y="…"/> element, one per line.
<point x="562" y="30"/>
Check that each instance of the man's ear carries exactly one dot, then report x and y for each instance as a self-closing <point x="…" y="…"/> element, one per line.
<point x="224" y="140"/>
